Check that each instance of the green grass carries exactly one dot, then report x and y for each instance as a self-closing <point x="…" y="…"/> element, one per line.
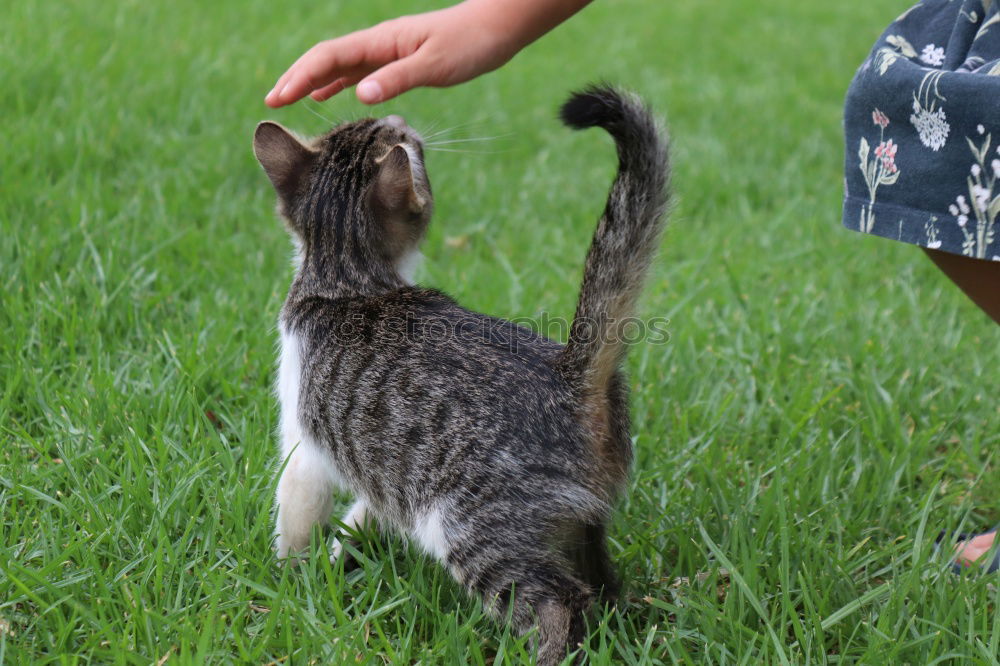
<point x="823" y="407"/>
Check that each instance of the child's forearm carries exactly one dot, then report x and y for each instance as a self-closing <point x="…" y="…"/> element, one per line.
<point x="526" y="20"/>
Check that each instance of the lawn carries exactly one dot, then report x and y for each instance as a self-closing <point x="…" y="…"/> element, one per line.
<point x="823" y="407"/>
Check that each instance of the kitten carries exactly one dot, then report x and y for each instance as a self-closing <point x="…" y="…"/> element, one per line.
<point x="497" y="450"/>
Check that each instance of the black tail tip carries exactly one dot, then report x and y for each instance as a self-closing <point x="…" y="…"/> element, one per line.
<point x="594" y="106"/>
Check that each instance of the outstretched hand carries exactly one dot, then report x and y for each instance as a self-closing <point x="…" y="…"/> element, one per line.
<point x="438" y="49"/>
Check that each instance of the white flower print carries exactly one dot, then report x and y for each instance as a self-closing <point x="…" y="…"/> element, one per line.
<point x="930" y="229"/>
<point x="932" y="55"/>
<point x="985" y="209"/>
<point x="928" y="117"/>
<point x="960" y="209"/>
<point x="932" y="126"/>
<point x="982" y="196"/>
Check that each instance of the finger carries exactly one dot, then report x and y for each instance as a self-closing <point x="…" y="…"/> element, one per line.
<point x="272" y="95"/>
<point x="273" y="98"/>
<point x="349" y="79"/>
<point x="394" y="79"/>
<point x="329" y="91"/>
<point x="303" y="77"/>
<point x="326" y="62"/>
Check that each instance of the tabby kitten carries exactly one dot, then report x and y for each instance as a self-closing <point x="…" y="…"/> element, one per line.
<point x="497" y="450"/>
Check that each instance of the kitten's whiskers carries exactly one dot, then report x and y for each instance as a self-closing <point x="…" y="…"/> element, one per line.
<point x="456" y="150"/>
<point x="317" y="113"/>
<point x="453" y="128"/>
<point x="468" y="140"/>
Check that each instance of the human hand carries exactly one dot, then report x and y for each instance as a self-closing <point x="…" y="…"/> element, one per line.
<point x="438" y="49"/>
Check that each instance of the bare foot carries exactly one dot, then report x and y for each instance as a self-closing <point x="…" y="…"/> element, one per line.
<point x="967" y="553"/>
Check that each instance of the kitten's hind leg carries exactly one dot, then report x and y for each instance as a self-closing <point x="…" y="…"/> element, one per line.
<point x="534" y="589"/>
<point x="557" y="603"/>
<point x="304" y="498"/>
<point x="355" y="519"/>
<point x="561" y="628"/>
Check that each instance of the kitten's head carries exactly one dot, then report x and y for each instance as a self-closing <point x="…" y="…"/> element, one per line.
<point x="358" y="192"/>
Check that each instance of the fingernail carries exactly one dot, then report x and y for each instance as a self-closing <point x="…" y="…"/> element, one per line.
<point x="369" y="92"/>
<point x="285" y="89"/>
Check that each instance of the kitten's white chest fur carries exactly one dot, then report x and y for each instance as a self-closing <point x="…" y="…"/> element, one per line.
<point x="408" y="264"/>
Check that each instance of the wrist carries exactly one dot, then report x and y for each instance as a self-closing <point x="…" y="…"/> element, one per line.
<point x="518" y="23"/>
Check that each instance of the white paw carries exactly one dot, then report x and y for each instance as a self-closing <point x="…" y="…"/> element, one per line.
<point x="336" y="550"/>
<point x="286" y="554"/>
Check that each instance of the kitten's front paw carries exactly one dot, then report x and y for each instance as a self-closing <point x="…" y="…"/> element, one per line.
<point x="338" y="553"/>
<point x="336" y="550"/>
<point x="286" y="555"/>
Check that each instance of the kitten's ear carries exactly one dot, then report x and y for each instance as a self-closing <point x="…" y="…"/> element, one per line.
<point x="285" y="160"/>
<point x="395" y="188"/>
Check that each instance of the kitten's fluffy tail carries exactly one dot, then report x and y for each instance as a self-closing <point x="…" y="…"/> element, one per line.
<point x="626" y="237"/>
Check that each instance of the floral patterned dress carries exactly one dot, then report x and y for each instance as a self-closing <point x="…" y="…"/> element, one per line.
<point x="922" y="124"/>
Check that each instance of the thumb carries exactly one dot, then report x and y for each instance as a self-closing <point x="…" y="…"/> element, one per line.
<point x="393" y="79"/>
